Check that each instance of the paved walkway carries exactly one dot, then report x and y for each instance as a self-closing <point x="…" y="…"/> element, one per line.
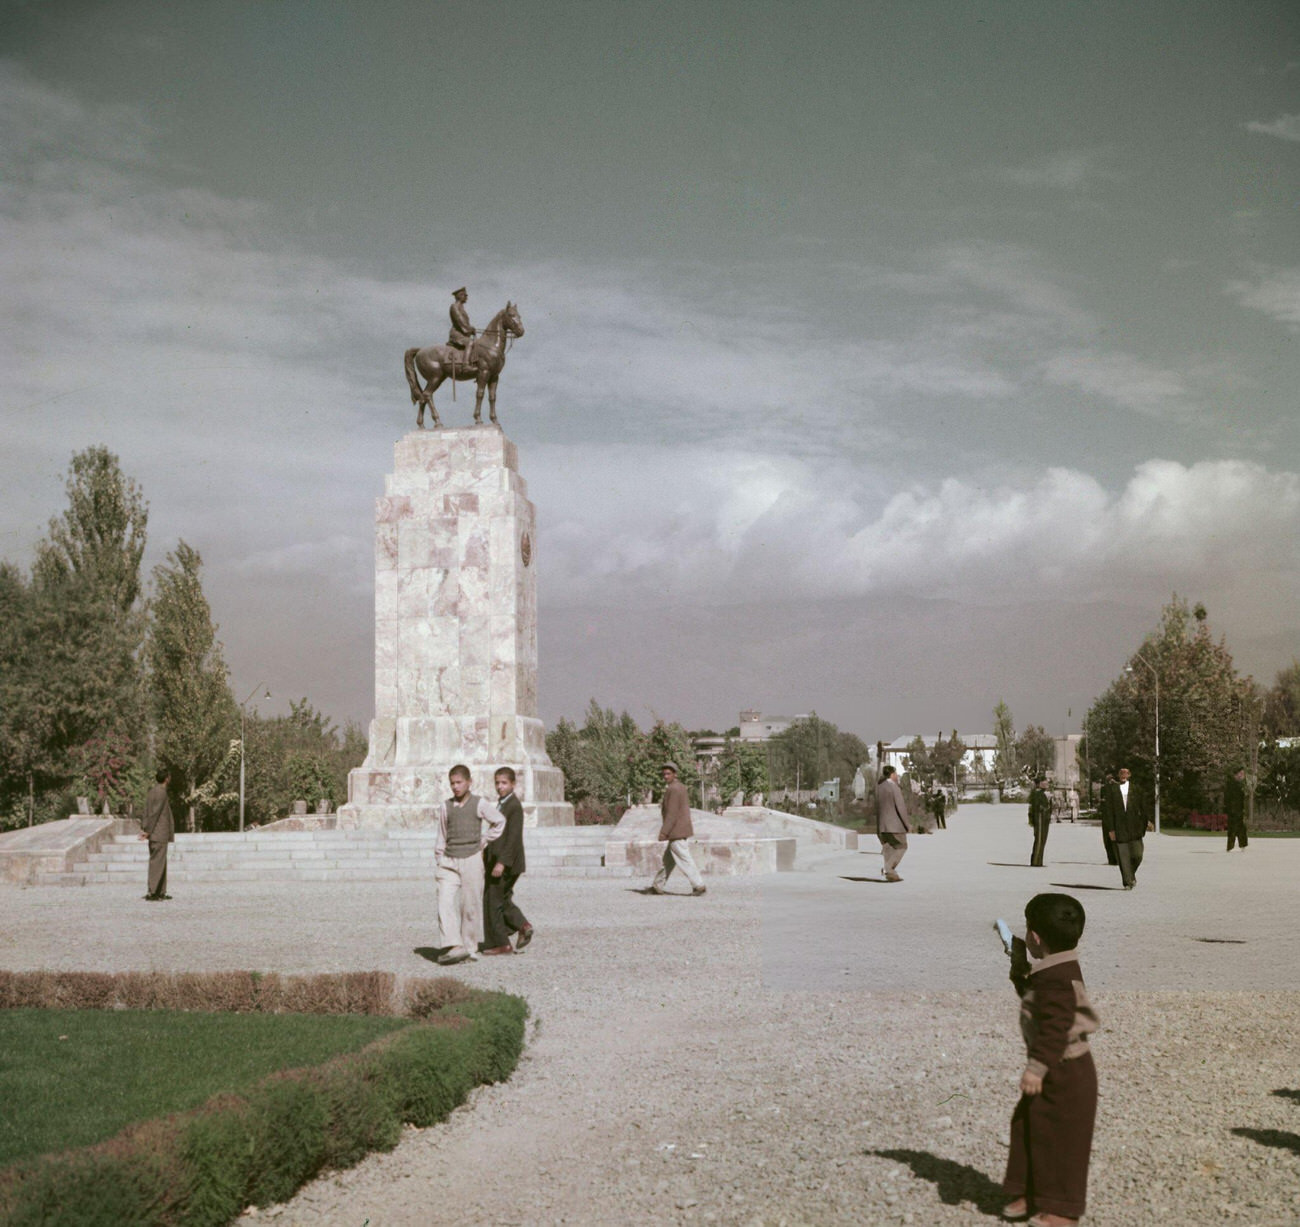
<point x="815" y="1047"/>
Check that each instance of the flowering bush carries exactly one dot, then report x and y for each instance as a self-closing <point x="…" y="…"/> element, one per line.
<point x="1207" y="822"/>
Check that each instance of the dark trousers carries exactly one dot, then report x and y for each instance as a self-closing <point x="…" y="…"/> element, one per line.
<point x="1111" y="857"/>
<point x="501" y="915"/>
<point x="1040" y="840"/>
<point x="1129" y="852"/>
<point x="158" y="867"/>
<point x="1051" y="1140"/>
<point x="1237" y="831"/>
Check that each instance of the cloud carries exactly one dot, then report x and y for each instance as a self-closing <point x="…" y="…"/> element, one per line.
<point x="1284" y="127"/>
<point x="741" y="527"/>
<point x="1122" y="379"/>
<point x="1275" y="292"/>
<point x="1060" y="171"/>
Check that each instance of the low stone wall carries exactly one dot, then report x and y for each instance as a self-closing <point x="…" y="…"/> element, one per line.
<point x="716" y="857"/>
<point x="52" y="847"/>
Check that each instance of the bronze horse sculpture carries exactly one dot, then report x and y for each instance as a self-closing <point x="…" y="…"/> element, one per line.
<point x="481" y="361"/>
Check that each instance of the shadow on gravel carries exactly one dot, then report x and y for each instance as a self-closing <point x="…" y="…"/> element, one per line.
<point x="1272" y="1137"/>
<point x="430" y="952"/>
<point x="844" y="877"/>
<point x="954" y="1182"/>
<point x="1287" y="1093"/>
<point x="1010" y="864"/>
<point x="1084" y="886"/>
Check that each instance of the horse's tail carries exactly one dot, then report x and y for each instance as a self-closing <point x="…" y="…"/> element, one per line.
<point x="413" y="378"/>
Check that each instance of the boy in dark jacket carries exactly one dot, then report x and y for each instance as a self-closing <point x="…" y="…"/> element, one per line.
<point x="503" y="864"/>
<point x="1051" y="1128"/>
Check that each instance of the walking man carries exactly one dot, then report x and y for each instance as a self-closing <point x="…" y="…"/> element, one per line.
<point x="677" y="829"/>
<point x="891" y="823"/>
<point x="1124" y="818"/>
<point x="1234" y="801"/>
<point x="503" y="862"/>
<point x="159" y="829"/>
<point x="1040" y="818"/>
<point x="466" y="825"/>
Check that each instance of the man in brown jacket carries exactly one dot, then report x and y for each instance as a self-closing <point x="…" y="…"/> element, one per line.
<point x="891" y="823"/>
<point x="676" y="829"/>
<point x="158" y="828"/>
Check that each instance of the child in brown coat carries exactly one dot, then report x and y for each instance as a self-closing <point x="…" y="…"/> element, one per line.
<point x="1051" y="1128"/>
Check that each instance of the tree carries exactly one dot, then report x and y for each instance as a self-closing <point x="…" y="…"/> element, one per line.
<point x="298" y="757"/>
<point x="1209" y="716"/>
<point x="1004" y="729"/>
<point x="946" y="758"/>
<point x="742" y="767"/>
<point x="70" y="647"/>
<point x="1035" y="751"/>
<point x="194" y="712"/>
<point x="1282" y="706"/>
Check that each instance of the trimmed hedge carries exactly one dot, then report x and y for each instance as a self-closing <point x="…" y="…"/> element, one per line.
<point x="201" y="1168"/>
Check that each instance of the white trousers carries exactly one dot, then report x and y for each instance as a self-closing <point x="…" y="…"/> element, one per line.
<point x="460" y="901"/>
<point x="678" y="854"/>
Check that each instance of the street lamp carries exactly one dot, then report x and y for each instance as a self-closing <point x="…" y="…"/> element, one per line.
<point x="1156" y="674"/>
<point x="243" y="705"/>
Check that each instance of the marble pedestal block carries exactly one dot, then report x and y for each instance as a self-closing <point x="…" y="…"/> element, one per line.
<point x="455" y="634"/>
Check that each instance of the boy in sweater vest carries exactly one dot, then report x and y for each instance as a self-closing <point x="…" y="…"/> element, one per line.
<point x="1051" y="1129"/>
<point x="466" y="825"/>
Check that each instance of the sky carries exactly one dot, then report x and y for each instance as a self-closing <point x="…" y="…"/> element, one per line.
<point x="882" y="360"/>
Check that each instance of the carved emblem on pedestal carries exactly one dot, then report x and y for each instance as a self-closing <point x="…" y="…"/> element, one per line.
<point x="526" y="548"/>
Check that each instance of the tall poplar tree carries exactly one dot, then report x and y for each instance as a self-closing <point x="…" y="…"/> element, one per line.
<point x="194" y="713"/>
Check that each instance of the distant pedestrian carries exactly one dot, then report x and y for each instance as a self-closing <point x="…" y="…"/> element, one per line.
<point x="1040" y="818"/>
<point x="1074" y="803"/>
<point x="939" y="806"/>
<point x="676" y="827"/>
<point x="1051" y="1128"/>
<point x="159" y="829"/>
<point x="1234" y="801"/>
<point x="466" y="825"/>
<point x="891" y="823"/>
<point x="1124" y="815"/>
<point x="503" y="864"/>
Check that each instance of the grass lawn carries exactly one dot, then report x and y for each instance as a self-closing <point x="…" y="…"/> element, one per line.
<point x="74" y="1077"/>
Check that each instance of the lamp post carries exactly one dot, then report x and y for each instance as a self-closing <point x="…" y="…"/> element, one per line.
<point x="1156" y="674"/>
<point x="242" y="706"/>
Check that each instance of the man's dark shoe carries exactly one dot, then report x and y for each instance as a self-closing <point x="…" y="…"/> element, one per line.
<point x="160" y="898"/>
<point x="151" y="898"/>
<point x="699" y="890"/>
<point x="525" y="936"/>
<point x="506" y="949"/>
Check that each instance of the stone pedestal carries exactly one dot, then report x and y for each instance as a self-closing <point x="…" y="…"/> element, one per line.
<point x="455" y="634"/>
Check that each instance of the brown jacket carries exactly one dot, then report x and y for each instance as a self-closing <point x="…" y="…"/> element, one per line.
<point x="891" y="809"/>
<point x="157" y="821"/>
<point x="676" y="809"/>
<point x="1056" y="1016"/>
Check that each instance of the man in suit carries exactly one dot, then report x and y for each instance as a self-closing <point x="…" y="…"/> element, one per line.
<point x="503" y="863"/>
<point x="1040" y="818"/>
<point x="1234" y="801"/>
<point x="1124" y="818"/>
<point x="677" y="829"/>
<point x="1106" y="841"/>
<point x="158" y="828"/>
<point x="891" y="823"/>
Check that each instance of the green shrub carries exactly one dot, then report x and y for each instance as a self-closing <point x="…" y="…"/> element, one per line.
<point x="199" y="1169"/>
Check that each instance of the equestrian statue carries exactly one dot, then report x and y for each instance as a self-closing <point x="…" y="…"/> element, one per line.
<point x="468" y="354"/>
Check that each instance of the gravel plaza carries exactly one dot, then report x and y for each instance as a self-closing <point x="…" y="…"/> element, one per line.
<point x="801" y="1048"/>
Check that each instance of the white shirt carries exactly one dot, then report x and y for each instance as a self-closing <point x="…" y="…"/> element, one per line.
<point x="1123" y="792"/>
